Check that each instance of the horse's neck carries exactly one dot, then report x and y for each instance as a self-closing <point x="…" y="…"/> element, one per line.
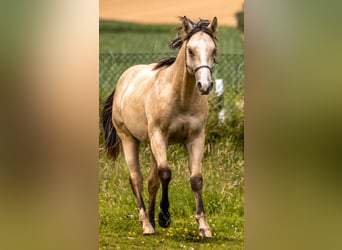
<point x="183" y="82"/>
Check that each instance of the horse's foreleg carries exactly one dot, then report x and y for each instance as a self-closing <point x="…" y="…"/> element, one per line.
<point x="196" y="149"/>
<point x="164" y="217"/>
<point x="158" y="146"/>
<point x="153" y="186"/>
<point x="130" y="147"/>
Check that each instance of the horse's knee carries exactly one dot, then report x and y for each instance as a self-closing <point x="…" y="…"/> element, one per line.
<point x="196" y="182"/>
<point x="164" y="174"/>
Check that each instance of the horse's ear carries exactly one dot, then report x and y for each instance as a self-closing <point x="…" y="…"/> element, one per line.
<point x="213" y="25"/>
<point x="187" y="24"/>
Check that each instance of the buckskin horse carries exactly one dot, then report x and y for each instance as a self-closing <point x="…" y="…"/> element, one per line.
<point x="165" y="103"/>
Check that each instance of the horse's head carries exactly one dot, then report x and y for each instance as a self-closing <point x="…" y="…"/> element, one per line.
<point x="200" y="51"/>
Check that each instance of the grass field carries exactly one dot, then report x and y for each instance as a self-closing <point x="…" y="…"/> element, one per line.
<point x="223" y="190"/>
<point x="222" y="193"/>
<point x="121" y="37"/>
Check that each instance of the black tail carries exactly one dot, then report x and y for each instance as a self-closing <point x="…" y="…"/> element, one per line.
<point x="112" y="140"/>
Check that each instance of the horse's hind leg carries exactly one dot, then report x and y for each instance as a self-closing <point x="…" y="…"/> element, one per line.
<point x="195" y="149"/>
<point x="130" y="147"/>
<point x="153" y="186"/>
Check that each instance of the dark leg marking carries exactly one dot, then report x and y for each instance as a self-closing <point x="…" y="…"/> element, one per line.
<point x="196" y="185"/>
<point x="151" y="214"/>
<point x="153" y="187"/>
<point x="137" y="194"/>
<point x="196" y="182"/>
<point x="164" y="217"/>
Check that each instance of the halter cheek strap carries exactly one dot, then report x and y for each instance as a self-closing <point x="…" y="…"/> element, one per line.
<point x="194" y="70"/>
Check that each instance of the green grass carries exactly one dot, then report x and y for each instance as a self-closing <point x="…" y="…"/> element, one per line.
<point x="223" y="190"/>
<point x="222" y="194"/>
<point x="121" y="37"/>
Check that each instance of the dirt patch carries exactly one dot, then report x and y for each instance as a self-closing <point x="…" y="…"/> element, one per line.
<point x="157" y="11"/>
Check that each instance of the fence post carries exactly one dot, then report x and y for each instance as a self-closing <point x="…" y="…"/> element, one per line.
<point x="219" y="93"/>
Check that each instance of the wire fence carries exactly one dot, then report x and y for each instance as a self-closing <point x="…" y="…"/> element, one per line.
<point x="226" y="101"/>
<point x="230" y="68"/>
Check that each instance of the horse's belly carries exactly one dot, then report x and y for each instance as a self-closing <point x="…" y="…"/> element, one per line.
<point x="131" y="119"/>
<point x="135" y="121"/>
<point x="177" y="136"/>
<point x="138" y="130"/>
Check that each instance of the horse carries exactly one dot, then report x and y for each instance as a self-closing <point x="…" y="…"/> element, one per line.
<point x="165" y="103"/>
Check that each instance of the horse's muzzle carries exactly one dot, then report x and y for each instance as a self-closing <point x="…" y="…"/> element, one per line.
<point x="204" y="89"/>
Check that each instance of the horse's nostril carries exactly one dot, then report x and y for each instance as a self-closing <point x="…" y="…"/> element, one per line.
<point x="199" y="85"/>
<point x="211" y="86"/>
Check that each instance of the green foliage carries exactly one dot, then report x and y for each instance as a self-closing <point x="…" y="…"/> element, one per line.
<point x="240" y="21"/>
<point x="232" y="127"/>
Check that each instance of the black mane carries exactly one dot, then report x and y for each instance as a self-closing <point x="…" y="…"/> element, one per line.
<point x="166" y="61"/>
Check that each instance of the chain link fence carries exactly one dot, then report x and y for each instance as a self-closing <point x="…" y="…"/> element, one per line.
<point x="229" y="68"/>
<point x="226" y="100"/>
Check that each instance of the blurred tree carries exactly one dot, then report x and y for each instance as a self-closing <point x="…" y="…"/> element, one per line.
<point x="240" y="20"/>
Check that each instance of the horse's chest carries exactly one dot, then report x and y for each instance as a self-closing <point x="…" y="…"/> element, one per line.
<point x="181" y="127"/>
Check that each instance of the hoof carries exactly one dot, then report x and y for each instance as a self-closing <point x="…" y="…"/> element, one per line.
<point x="205" y="232"/>
<point x="164" y="219"/>
<point x="148" y="230"/>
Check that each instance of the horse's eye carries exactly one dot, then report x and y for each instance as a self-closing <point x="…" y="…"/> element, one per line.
<point x="214" y="53"/>
<point x="191" y="53"/>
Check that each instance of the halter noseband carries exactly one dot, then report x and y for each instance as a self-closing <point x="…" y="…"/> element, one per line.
<point x="194" y="70"/>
